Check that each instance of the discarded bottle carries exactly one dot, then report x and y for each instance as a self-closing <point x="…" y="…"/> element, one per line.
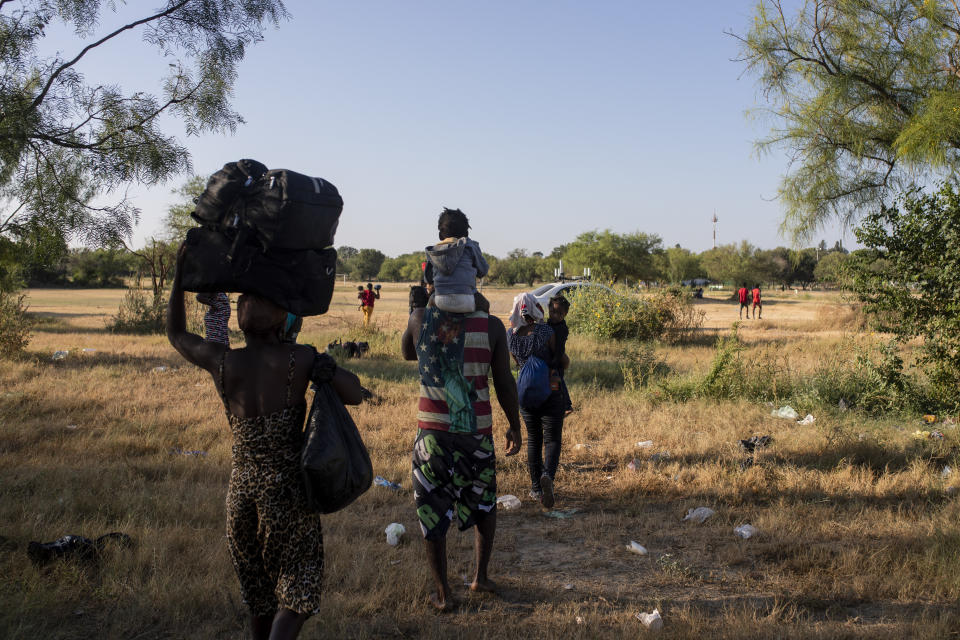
<point x="637" y="548"/>
<point x="380" y="481"/>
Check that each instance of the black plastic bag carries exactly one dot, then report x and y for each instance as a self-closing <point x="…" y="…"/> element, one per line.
<point x="336" y="465"/>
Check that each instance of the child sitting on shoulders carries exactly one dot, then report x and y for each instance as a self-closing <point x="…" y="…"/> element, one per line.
<point x="456" y="263"/>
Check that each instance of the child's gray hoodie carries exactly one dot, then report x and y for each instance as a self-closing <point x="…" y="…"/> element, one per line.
<point x="456" y="266"/>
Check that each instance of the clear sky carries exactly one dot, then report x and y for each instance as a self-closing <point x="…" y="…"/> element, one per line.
<point x="540" y="120"/>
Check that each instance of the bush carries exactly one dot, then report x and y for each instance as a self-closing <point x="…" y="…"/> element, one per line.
<point x="605" y="314"/>
<point x="14" y="324"/>
<point x="639" y="365"/>
<point x="140" y="312"/>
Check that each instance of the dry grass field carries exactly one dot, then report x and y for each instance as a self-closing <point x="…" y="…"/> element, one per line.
<point x="859" y="527"/>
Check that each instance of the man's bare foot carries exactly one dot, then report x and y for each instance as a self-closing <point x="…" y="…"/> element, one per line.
<point x="442" y="605"/>
<point x="483" y="586"/>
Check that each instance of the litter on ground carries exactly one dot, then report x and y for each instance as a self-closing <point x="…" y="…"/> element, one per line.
<point x="637" y="548"/>
<point x="786" y="412"/>
<point x="645" y="444"/>
<point x="561" y="514"/>
<point x="809" y="419"/>
<point x="159" y="369"/>
<point x="698" y="515"/>
<point x="60" y="355"/>
<point x="651" y="621"/>
<point x="509" y="502"/>
<point x="634" y="465"/>
<point x="746" y="531"/>
<point x="394" y="531"/>
<point x="660" y="456"/>
<point x="380" y="481"/>
<point x="754" y="442"/>
<point x="929" y="418"/>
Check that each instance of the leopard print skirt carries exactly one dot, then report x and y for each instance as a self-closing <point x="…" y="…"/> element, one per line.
<point x="275" y="542"/>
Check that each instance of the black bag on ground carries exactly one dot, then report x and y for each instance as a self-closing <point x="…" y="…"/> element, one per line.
<point x="300" y="282"/>
<point x="335" y="463"/>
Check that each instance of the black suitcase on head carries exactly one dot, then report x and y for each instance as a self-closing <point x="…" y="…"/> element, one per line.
<point x="299" y="281"/>
<point x="283" y="209"/>
<point x="265" y="232"/>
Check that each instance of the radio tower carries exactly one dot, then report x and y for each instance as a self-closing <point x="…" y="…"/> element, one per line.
<point x="714" y="228"/>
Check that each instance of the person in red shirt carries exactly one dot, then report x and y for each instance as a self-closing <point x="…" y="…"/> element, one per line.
<point x="757" y="304"/>
<point x="367" y="296"/>
<point x="743" y="297"/>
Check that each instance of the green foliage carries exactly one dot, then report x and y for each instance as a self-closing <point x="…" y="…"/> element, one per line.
<point x="14" y="324"/>
<point x="100" y="267"/>
<point x="177" y="221"/>
<point x="403" y="268"/>
<point x="365" y="264"/>
<point x="915" y="290"/>
<point x="64" y="142"/>
<point x="520" y="267"/>
<point x="678" y="265"/>
<point x="667" y="314"/>
<point x="872" y="382"/>
<point x="640" y="364"/>
<point x="140" y="313"/>
<point x="613" y="256"/>
<point x="863" y="94"/>
<point x="832" y="269"/>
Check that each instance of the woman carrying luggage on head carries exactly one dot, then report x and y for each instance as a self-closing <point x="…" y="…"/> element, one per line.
<point x="275" y="542"/>
<point x="529" y="336"/>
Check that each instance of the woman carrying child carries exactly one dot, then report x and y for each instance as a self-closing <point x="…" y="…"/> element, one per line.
<point x="529" y="336"/>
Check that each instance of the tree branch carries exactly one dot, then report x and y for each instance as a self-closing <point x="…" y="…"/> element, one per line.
<point x="66" y="65"/>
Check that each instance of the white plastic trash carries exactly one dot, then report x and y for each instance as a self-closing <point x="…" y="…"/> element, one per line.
<point x="646" y="444"/>
<point x="159" y="369"/>
<point x="809" y="419"/>
<point x="698" y="515"/>
<point x="637" y="548"/>
<point x="946" y="471"/>
<point x="60" y="355"/>
<point x="746" y="531"/>
<point x="787" y="412"/>
<point x="508" y="502"/>
<point x="394" y="531"/>
<point x="651" y="621"/>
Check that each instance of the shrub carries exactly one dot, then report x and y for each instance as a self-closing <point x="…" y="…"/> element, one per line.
<point x="14" y="324"/>
<point x="140" y="312"/>
<point x="609" y="314"/>
<point x="639" y="364"/>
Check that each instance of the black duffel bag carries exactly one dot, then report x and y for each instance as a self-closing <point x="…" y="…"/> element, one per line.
<point x="282" y="209"/>
<point x="299" y="281"/>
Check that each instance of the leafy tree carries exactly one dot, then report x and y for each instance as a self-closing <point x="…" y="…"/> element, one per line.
<point x="517" y="267"/>
<point x="832" y="269"/>
<point x="365" y="265"/>
<point x="804" y="263"/>
<point x="100" y="267"/>
<point x="64" y="142"/>
<point x="912" y="286"/>
<point x="864" y="95"/>
<point x="679" y="264"/>
<point x="178" y="221"/>
<point x="730" y="263"/>
<point x="403" y="268"/>
<point x="614" y="256"/>
<point x="345" y="254"/>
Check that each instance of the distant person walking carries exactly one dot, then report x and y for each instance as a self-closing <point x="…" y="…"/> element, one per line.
<point x="275" y="541"/>
<point x="367" y="297"/>
<point x="744" y="297"/>
<point x="757" y="303"/>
